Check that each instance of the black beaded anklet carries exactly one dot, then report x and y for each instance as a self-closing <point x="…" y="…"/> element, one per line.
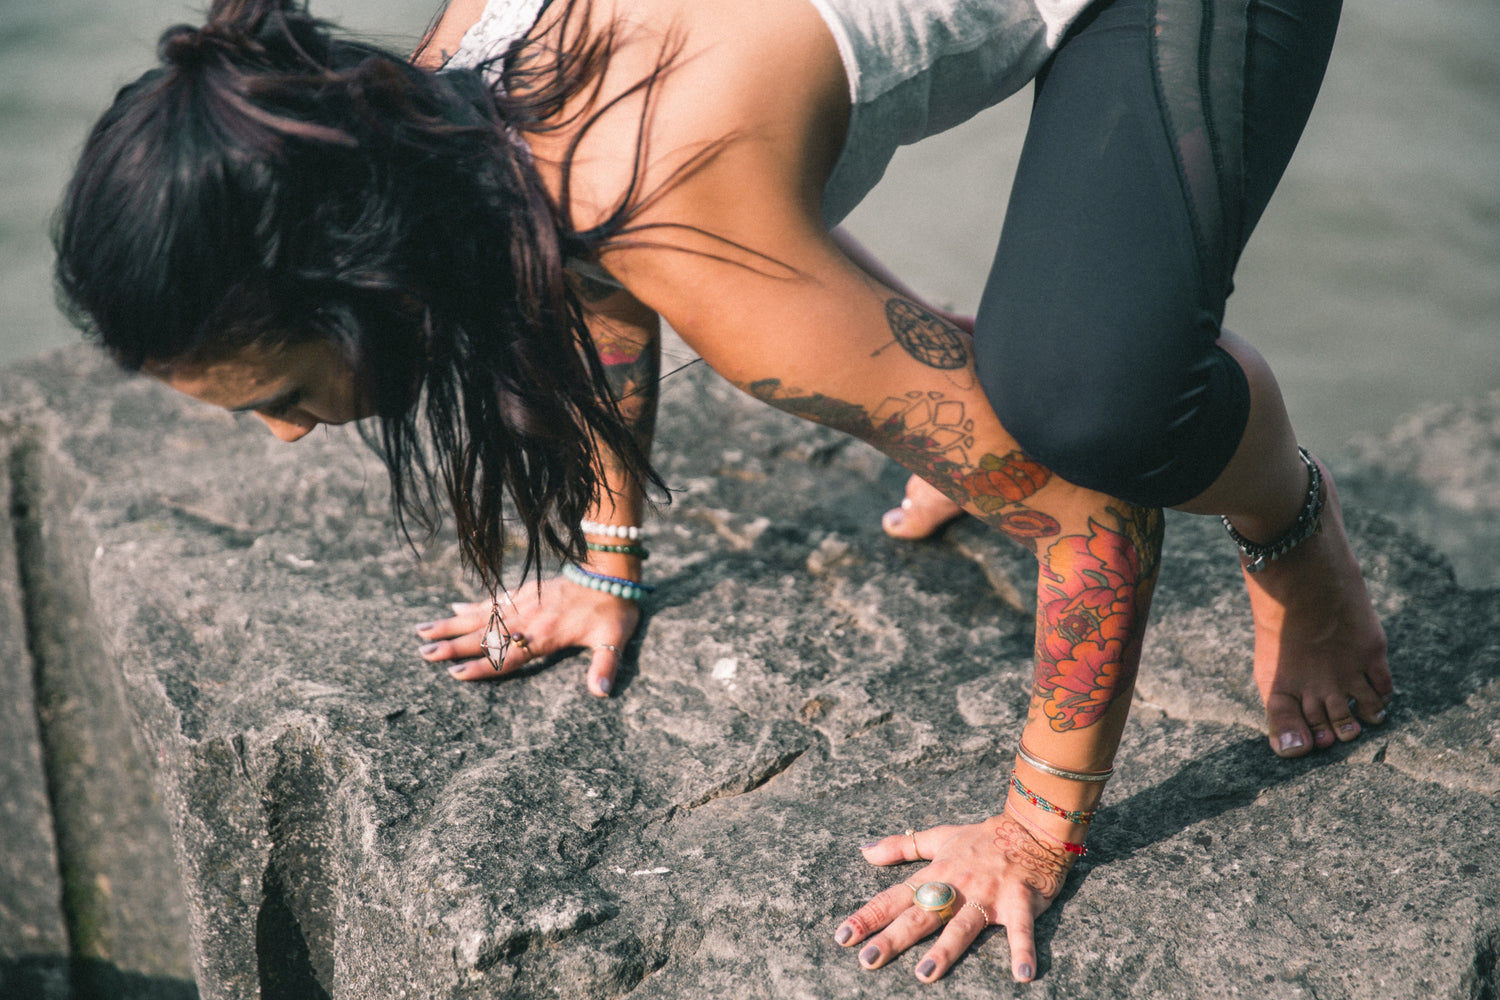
<point x="1309" y="520"/>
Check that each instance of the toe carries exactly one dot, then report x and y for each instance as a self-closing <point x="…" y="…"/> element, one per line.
<point x="1341" y="719"/>
<point x="923" y="511"/>
<point x="1290" y="734"/>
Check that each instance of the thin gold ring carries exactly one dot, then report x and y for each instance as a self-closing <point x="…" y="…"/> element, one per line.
<point x="914" y="848"/>
<point x="982" y="911"/>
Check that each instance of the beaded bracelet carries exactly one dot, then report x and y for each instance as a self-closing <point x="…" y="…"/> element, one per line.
<point x="1060" y="772"/>
<point x="1071" y="848"/>
<point x="605" y="584"/>
<point x="628" y="531"/>
<point x="624" y="550"/>
<point x="1081" y="817"/>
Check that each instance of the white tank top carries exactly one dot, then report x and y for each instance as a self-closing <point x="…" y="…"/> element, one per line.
<point x="915" y="68"/>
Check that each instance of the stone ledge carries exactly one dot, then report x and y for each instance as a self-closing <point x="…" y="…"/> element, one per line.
<point x="349" y="822"/>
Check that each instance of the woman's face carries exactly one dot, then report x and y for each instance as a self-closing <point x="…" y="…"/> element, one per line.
<point x="293" y="389"/>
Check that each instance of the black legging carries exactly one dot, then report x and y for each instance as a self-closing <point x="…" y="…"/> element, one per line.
<point x="1158" y="133"/>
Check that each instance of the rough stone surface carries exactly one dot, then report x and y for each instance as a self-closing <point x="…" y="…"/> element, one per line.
<point x="351" y="823"/>
<point x="33" y="934"/>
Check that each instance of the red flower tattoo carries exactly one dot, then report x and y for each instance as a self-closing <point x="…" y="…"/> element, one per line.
<point x="1090" y="613"/>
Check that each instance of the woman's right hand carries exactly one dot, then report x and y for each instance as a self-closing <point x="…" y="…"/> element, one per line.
<point x="543" y="620"/>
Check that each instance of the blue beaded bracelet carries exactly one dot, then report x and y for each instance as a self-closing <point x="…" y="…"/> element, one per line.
<point x="605" y="584"/>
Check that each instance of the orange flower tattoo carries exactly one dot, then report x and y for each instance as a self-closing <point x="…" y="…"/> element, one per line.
<point x="1092" y="598"/>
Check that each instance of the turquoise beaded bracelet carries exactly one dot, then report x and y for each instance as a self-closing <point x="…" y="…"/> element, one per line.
<point x="605" y="584"/>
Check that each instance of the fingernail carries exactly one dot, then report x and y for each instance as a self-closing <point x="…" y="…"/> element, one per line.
<point x="425" y="626"/>
<point x="1291" y="741"/>
<point x="1023" y="971"/>
<point x="456" y="669"/>
<point x="844" y="934"/>
<point x="866" y="847"/>
<point x="606" y="685"/>
<point x="427" y="649"/>
<point x="870" y="955"/>
<point x="925" y="969"/>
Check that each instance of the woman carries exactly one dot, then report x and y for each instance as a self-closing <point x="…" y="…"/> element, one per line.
<point x="479" y="252"/>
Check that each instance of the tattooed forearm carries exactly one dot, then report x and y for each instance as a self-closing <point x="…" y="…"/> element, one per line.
<point x="934" y="437"/>
<point x="1092" y="597"/>
<point x="925" y="337"/>
<point x="632" y="370"/>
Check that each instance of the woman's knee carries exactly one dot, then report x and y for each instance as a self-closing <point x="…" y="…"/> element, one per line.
<point x="1155" y="430"/>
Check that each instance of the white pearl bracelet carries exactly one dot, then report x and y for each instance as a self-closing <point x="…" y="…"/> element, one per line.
<point x="631" y="532"/>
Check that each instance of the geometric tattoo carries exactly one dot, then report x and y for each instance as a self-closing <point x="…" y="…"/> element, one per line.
<point x="925" y="337"/>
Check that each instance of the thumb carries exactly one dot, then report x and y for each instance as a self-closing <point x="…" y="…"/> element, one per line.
<point x="602" y="668"/>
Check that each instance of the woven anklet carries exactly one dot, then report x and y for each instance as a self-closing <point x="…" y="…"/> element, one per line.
<point x="1081" y="817"/>
<point x="1060" y="772"/>
<point x="1309" y="520"/>
<point x="605" y="584"/>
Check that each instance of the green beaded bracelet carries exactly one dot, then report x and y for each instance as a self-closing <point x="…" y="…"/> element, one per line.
<point x="624" y="550"/>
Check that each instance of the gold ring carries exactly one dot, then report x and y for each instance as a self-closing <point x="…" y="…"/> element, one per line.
<point x="609" y="646"/>
<point x="982" y="911"/>
<point x="936" y="898"/>
<point x="914" y="848"/>
<point x="520" y="642"/>
<point x="911" y="887"/>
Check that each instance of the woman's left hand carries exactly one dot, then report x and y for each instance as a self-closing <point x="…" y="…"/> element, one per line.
<point x="1002" y="875"/>
<point x="544" y="620"/>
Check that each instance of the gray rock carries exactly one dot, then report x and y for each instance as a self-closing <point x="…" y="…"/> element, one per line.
<point x="350" y="822"/>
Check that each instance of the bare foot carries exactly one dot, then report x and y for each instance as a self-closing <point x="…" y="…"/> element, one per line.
<point x="923" y="511"/>
<point x="1319" y="647"/>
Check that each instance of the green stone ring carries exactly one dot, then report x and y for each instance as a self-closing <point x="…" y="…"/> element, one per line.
<point x="936" y="897"/>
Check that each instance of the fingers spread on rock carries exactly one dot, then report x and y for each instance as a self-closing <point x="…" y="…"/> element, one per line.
<point x="882" y="908"/>
<point x="1017" y="917"/>
<point x="961" y="932"/>
<point x="910" y="926"/>
<point x="602" y="669"/>
<point x="913" y="845"/>
<point x="473" y="670"/>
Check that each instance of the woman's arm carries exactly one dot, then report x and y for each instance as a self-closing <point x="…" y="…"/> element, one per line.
<point x="815" y="336"/>
<point x="559" y="614"/>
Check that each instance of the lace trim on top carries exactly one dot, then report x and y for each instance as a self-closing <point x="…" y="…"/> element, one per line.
<point x="503" y="23"/>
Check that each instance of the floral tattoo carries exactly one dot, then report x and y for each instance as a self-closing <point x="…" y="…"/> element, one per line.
<point x="1092" y="599"/>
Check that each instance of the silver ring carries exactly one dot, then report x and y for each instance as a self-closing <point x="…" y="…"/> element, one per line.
<point x="609" y="646"/>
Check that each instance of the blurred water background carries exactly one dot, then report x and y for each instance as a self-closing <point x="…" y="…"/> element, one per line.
<point x="1373" y="283"/>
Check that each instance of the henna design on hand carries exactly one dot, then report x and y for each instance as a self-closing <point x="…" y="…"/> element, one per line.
<point x="1046" y="869"/>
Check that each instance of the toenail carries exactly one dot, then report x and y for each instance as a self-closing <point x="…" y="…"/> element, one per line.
<point x="1380" y="715"/>
<point x="1348" y="728"/>
<point x="893" y="518"/>
<point x="1291" y="741"/>
<point x="869" y="955"/>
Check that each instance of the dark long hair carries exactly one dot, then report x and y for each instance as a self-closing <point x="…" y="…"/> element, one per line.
<point x="273" y="182"/>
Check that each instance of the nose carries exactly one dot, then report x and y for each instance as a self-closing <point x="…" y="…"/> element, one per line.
<point x="289" y="430"/>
